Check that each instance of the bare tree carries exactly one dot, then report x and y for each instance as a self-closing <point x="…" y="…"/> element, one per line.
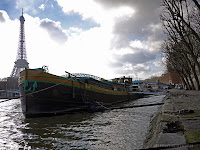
<point x="182" y="49"/>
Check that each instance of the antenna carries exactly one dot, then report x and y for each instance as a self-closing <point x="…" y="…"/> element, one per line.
<point x="22" y="12"/>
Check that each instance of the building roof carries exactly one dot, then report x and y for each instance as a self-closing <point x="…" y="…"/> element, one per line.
<point x="137" y="82"/>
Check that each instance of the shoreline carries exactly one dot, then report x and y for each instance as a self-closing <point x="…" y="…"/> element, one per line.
<point x="176" y="124"/>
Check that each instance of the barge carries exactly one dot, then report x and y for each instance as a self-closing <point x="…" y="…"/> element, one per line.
<point x="44" y="94"/>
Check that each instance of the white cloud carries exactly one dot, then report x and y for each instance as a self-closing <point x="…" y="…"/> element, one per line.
<point x="72" y="31"/>
<point x="134" y="71"/>
<point x="54" y="30"/>
<point x="159" y="73"/>
<point x="159" y="63"/>
<point x="92" y="9"/>
<point x="42" y="7"/>
<point x="127" y="40"/>
<point x="86" y="8"/>
<point x="9" y="43"/>
<point x="27" y="5"/>
<point x="119" y="21"/>
<point x="4" y="16"/>
<point x="138" y="44"/>
<point x="88" y="52"/>
<point x="85" y="52"/>
<point x="2" y="19"/>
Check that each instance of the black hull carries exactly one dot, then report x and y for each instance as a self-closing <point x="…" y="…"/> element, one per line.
<point x="54" y="99"/>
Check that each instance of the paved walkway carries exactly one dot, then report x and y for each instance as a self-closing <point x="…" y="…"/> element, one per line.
<point x="177" y="122"/>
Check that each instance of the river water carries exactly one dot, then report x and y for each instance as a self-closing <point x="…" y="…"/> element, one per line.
<point x="121" y="129"/>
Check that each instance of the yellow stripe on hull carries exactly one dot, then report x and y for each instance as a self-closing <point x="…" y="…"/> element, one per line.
<point x="40" y="76"/>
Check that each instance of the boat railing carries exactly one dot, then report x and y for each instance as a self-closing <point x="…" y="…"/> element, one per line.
<point x="100" y="82"/>
<point x="83" y="75"/>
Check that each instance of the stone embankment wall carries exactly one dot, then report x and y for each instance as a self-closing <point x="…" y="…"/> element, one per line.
<point x="177" y="123"/>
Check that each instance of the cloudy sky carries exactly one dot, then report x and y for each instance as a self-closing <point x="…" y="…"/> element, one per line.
<point x="106" y="38"/>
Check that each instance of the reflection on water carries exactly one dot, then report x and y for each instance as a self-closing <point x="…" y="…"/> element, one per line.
<point x="116" y="129"/>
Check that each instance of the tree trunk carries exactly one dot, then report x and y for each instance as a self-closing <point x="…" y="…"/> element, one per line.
<point x="195" y="77"/>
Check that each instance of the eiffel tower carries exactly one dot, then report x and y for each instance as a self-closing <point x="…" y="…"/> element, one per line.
<point x="21" y="61"/>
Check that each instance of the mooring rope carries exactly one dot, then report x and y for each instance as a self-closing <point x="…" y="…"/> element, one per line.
<point x="112" y="108"/>
<point x="57" y="85"/>
<point x="47" y="88"/>
<point x="133" y="106"/>
<point x="106" y="108"/>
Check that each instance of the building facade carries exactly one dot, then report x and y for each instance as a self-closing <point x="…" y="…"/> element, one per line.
<point x="171" y="78"/>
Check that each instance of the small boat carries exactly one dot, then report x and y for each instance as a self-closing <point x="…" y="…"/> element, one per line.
<point x="44" y="94"/>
